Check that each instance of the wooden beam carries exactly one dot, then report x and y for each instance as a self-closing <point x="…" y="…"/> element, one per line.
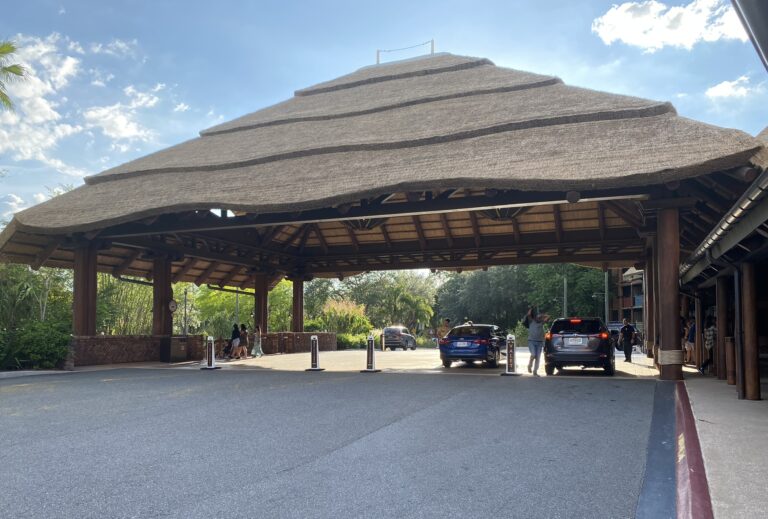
<point x="293" y="236"/>
<point x="304" y="238"/>
<point x="515" y="228"/>
<point x="171" y="223"/>
<point x="271" y="233"/>
<point x="626" y="258"/>
<point x="668" y="236"/>
<point x="84" y="291"/>
<point x="749" y="316"/>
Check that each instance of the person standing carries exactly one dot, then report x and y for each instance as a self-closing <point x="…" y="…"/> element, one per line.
<point x="257" y="351"/>
<point x="710" y="339"/>
<point x="535" y="322"/>
<point x="627" y="336"/>
<point x="234" y="342"/>
<point x="690" y="342"/>
<point x="243" y="342"/>
<point x="444" y="328"/>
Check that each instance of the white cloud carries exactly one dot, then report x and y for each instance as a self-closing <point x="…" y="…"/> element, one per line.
<point x="40" y="197"/>
<point x="14" y="204"/>
<point x="653" y="25"/>
<point x="181" y="107"/>
<point x="119" y="121"/>
<point x="74" y="46"/>
<point x="739" y="87"/>
<point x="117" y="48"/>
<point x="34" y="130"/>
<point x="100" y="79"/>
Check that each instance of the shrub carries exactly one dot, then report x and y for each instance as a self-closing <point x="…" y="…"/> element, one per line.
<point x="351" y="341"/>
<point x="343" y="316"/>
<point x="41" y="345"/>
<point x="425" y="342"/>
<point x="521" y="335"/>
<point x="314" y="325"/>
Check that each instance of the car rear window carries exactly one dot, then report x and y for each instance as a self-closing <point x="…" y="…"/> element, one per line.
<point x="479" y="331"/>
<point x="392" y="329"/>
<point x="582" y="326"/>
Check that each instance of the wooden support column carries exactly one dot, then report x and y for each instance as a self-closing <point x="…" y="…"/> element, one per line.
<point x="84" y="291"/>
<point x="751" y="359"/>
<point x="261" y="308"/>
<point x="650" y="304"/>
<point x="162" y="293"/>
<point x="297" y="319"/>
<point x="722" y="325"/>
<point x="670" y="354"/>
<point x="656" y="303"/>
<point x="698" y="352"/>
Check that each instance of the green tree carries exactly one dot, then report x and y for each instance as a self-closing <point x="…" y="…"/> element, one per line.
<point x="8" y="72"/>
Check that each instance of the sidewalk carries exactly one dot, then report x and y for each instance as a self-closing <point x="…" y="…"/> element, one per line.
<point x="734" y="442"/>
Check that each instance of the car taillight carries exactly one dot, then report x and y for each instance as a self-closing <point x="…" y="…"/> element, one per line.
<point x="604" y="335"/>
<point x="575" y="321"/>
<point x="548" y="336"/>
<point x="444" y="341"/>
<point x="481" y="341"/>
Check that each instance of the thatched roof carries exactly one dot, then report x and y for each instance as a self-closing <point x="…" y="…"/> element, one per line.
<point x="426" y="124"/>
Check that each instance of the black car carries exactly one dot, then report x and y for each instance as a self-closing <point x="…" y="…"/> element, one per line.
<point x="578" y="342"/>
<point x="398" y="337"/>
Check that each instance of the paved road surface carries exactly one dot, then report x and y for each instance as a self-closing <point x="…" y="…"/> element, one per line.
<point x="258" y="443"/>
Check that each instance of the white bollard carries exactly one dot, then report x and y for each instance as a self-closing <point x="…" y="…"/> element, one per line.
<point x="371" y="361"/>
<point x="210" y="355"/>
<point x="314" y="349"/>
<point x="511" y="370"/>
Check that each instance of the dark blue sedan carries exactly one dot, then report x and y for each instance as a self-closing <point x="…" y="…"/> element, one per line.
<point x="473" y="342"/>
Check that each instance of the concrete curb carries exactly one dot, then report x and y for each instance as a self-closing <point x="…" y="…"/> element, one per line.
<point x="693" y="499"/>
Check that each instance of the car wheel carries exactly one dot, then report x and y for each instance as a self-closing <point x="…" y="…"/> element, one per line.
<point x="610" y="368"/>
<point x="494" y="362"/>
<point x="446" y="363"/>
<point x="549" y="369"/>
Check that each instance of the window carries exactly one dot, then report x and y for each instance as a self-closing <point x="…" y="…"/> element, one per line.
<point x="578" y="326"/>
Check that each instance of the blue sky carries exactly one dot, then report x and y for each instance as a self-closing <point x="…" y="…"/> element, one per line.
<point x="112" y="81"/>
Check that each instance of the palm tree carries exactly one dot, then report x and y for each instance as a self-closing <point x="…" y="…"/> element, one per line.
<point x="8" y="72"/>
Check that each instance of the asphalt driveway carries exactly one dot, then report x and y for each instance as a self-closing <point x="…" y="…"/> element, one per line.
<point x="258" y="443"/>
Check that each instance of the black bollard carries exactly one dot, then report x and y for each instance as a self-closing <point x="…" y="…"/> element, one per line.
<point x="371" y="361"/>
<point x="314" y="348"/>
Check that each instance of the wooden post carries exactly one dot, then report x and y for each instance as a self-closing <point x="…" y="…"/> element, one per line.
<point x="722" y="324"/>
<point x="730" y="361"/>
<point x="297" y="320"/>
<point x="84" y="291"/>
<point x="751" y="357"/>
<point x="698" y="353"/>
<point x="260" y="304"/>
<point x="670" y="355"/>
<point x="656" y="303"/>
<point x="162" y="293"/>
<point x="650" y="313"/>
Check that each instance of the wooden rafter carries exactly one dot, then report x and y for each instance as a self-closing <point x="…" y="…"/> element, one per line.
<point x="633" y="218"/>
<point x="475" y="229"/>
<point x="46" y="253"/>
<point x="189" y="265"/>
<point x="207" y="273"/>
<point x="353" y="238"/>
<point x="122" y="267"/>
<point x="230" y="276"/>
<point x="304" y="237"/>
<point x="446" y="229"/>
<point x="270" y="235"/>
<point x="420" y="232"/>
<point x="385" y="234"/>
<point x="320" y="238"/>
<point x="293" y="236"/>
<point x="558" y="223"/>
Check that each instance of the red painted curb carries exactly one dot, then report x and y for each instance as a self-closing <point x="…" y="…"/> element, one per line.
<point x="693" y="499"/>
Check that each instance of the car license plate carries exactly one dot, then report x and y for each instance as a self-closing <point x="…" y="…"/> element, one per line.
<point x="462" y="344"/>
<point x="574" y="340"/>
